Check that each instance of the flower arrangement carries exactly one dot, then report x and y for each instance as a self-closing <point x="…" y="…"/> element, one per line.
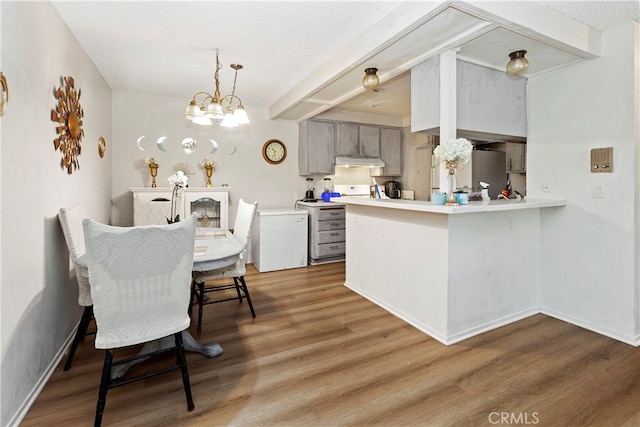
<point x="208" y="163"/>
<point x="152" y="161"/>
<point x="454" y="151"/>
<point x="178" y="181"/>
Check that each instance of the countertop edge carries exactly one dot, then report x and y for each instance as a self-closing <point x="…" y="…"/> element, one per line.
<point x="188" y="189"/>
<point x="472" y="207"/>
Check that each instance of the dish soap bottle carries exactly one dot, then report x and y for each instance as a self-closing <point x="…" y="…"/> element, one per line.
<point x="484" y="192"/>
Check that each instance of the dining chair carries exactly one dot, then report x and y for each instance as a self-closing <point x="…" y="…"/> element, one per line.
<point x="140" y="284"/>
<point x="71" y="223"/>
<point x="201" y="290"/>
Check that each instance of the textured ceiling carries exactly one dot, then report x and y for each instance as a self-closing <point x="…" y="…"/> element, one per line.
<point x="168" y="47"/>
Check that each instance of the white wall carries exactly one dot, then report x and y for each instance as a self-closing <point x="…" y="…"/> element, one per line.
<point x="242" y="168"/>
<point x="39" y="294"/>
<point x="589" y="248"/>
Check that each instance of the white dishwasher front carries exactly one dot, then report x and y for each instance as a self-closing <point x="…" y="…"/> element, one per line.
<point x="279" y="239"/>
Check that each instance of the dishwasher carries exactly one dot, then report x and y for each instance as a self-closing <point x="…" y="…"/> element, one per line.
<point x="279" y="239"/>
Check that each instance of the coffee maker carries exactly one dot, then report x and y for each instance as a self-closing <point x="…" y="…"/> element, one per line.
<point x="392" y="189"/>
<point x="310" y="195"/>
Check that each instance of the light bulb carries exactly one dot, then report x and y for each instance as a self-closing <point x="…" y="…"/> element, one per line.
<point x="240" y="115"/>
<point x="229" y="121"/>
<point x="192" y="111"/>
<point x="371" y="80"/>
<point x="518" y="65"/>
<point x="214" y="111"/>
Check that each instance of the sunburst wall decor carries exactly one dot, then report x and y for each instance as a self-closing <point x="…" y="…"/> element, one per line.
<point x="68" y="114"/>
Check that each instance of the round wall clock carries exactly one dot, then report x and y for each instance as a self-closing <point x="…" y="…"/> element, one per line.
<point x="68" y="115"/>
<point x="274" y="151"/>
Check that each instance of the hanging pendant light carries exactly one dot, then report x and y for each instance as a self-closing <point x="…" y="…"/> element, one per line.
<point x="370" y="80"/>
<point x="227" y="110"/>
<point x="518" y="65"/>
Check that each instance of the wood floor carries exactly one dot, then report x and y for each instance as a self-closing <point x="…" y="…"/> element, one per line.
<point x="319" y="355"/>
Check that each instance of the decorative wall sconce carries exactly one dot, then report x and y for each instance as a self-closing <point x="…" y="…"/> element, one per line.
<point x="370" y="80"/>
<point x="518" y="65"/>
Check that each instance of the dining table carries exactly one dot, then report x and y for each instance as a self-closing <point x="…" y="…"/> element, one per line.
<point x="214" y="248"/>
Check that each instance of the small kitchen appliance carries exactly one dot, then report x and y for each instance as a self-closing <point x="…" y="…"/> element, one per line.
<point x="392" y="189"/>
<point x="310" y="195"/>
<point x="328" y="185"/>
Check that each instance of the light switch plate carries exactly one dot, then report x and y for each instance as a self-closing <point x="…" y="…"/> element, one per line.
<point x="598" y="191"/>
<point x="602" y="160"/>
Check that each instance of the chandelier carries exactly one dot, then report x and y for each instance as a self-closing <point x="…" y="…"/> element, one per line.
<point x="227" y="108"/>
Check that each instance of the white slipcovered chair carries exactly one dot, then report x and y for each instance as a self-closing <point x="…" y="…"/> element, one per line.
<point x="140" y="284"/>
<point x="71" y="223"/>
<point x="242" y="231"/>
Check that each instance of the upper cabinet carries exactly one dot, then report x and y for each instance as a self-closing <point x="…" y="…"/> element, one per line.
<point x="516" y="157"/>
<point x="321" y="141"/>
<point x="390" y="152"/>
<point x="353" y="139"/>
<point x="369" y="141"/>
<point x="316" y="151"/>
<point x="347" y="142"/>
<point x="489" y="105"/>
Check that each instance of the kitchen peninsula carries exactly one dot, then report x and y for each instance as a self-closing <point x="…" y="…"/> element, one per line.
<point x="451" y="271"/>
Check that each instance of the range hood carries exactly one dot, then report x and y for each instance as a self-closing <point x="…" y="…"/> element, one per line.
<point x="359" y="161"/>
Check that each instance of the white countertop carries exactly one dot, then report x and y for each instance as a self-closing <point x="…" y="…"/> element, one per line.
<point x="472" y="207"/>
<point x="166" y="187"/>
<point x="319" y="203"/>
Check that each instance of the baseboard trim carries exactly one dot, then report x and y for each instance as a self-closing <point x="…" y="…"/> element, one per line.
<point x="445" y="338"/>
<point x="480" y="329"/>
<point x="399" y="314"/>
<point x="627" y="339"/>
<point x="42" y="381"/>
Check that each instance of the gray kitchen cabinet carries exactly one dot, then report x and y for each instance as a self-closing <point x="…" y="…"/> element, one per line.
<point x="347" y="142"/>
<point x="489" y="104"/>
<point x="516" y="157"/>
<point x="326" y="232"/>
<point x="353" y="139"/>
<point x="316" y="151"/>
<point x="369" y="137"/>
<point x="390" y="152"/>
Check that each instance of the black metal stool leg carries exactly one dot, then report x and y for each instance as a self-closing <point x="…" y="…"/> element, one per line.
<point x="104" y="386"/>
<point x="183" y="368"/>
<point x="87" y="314"/>
<point x="200" y="304"/>
<point x="246" y="293"/>
<point x="235" y="282"/>
<point x="193" y="297"/>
